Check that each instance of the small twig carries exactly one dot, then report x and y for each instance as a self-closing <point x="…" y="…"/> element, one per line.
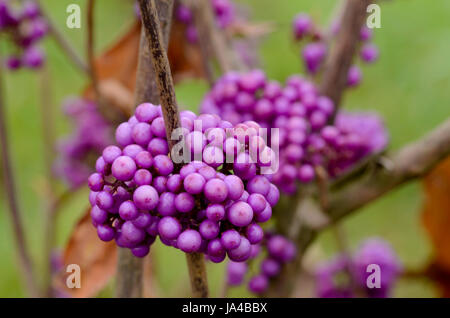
<point x="10" y="188"/>
<point x="104" y="105"/>
<point x="197" y="274"/>
<point x="130" y="271"/>
<point x="336" y="17"/>
<point x="334" y="79"/>
<point x="47" y="119"/>
<point x="217" y="40"/>
<point x="322" y="186"/>
<point x="150" y="22"/>
<point x="409" y="163"/>
<point x="146" y="86"/>
<point x="203" y="42"/>
<point x="90" y="47"/>
<point x="65" y="45"/>
<point x="129" y="275"/>
<point x="225" y="289"/>
<point x="47" y="124"/>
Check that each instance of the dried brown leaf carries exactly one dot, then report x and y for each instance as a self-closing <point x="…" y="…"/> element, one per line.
<point x="185" y="58"/>
<point x="97" y="260"/>
<point x="436" y="220"/>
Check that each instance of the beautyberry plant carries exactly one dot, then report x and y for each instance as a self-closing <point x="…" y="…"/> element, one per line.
<point x="25" y="27"/>
<point x="213" y="204"/>
<point x="317" y="45"/>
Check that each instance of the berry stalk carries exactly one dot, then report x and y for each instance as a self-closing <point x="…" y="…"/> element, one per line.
<point x="161" y="65"/>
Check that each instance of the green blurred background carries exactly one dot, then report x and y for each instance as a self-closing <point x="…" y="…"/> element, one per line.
<point x="408" y="86"/>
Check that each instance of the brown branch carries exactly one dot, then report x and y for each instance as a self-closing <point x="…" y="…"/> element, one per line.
<point x="65" y="45"/>
<point x="411" y="162"/>
<point x="339" y="60"/>
<point x="160" y="61"/>
<point x="25" y="263"/>
<point x="150" y="22"/>
<point x="47" y="124"/>
<point x="197" y="274"/>
<point x="203" y="43"/>
<point x="129" y="275"/>
<point x="146" y="86"/>
<point x="90" y="54"/>
<point x="209" y="32"/>
<point x="130" y="269"/>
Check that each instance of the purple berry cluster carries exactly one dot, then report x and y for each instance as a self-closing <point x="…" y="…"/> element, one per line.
<point x="224" y="13"/>
<point x="212" y="204"/>
<point x="278" y="251"/>
<point x="25" y="27"/>
<point x="297" y="118"/>
<point x="315" y="51"/>
<point x="346" y="277"/>
<point x="78" y="151"/>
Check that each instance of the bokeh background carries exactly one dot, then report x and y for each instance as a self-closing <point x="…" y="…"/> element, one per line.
<point x="408" y="87"/>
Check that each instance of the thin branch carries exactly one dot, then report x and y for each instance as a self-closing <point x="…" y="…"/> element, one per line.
<point x="90" y="46"/>
<point x="129" y="275"/>
<point x="146" y="86"/>
<point x="197" y="274"/>
<point x="25" y="263"/>
<point x="336" y="17"/>
<point x="339" y="60"/>
<point x="130" y="271"/>
<point x="209" y="33"/>
<point x="205" y="50"/>
<point x="150" y="22"/>
<point x="48" y="134"/>
<point x="65" y="45"/>
<point x="160" y="61"/>
<point x="106" y="105"/>
<point x="411" y="162"/>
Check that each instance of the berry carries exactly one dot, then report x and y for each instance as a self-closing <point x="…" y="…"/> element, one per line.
<point x="146" y="197"/>
<point x="184" y="202"/>
<point x="123" y="168"/>
<point x="194" y="183"/>
<point x="216" y="190"/>
<point x="302" y="25"/>
<point x="230" y="239"/>
<point x="254" y="233"/>
<point x="105" y="232"/>
<point x="240" y="214"/>
<point x="242" y="252"/>
<point x="169" y="228"/>
<point x="137" y="192"/>
<point x="128" y="210"/>
<point x="258" y="284"/>
<point x="189" y="241"/>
